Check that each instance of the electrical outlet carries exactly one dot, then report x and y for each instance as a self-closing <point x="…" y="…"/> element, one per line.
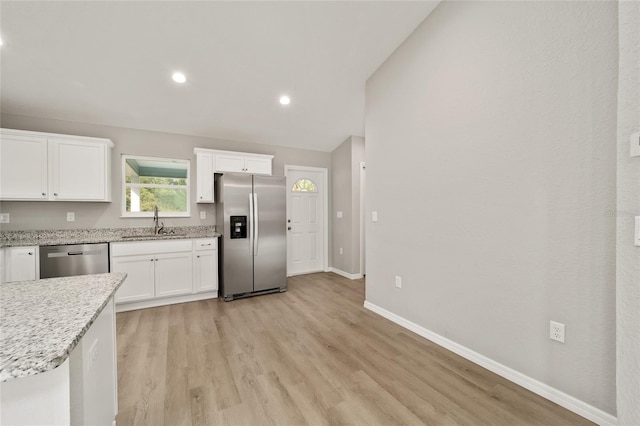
<point x="556" y="331"/>
<point x="398" y="281"/>
<point x="203" y="215"/>
<point x="5" y="218"/>
<point x="71" y="216"/>
<point x="341" y="251"/>
<point x="374" y="216"/>
<point x="339" y="214"/>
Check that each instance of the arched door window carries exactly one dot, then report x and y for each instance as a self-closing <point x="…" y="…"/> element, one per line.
<point x="304" y="185"/>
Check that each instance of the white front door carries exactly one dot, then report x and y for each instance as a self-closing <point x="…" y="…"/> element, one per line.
<point x="306" y="198"/>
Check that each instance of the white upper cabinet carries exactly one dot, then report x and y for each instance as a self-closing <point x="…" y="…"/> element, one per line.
<point x="240" y="162"/>
<point x="78" y="171"/>
<point x="230" y="163"/>
<point x="45" y="166"/>
<point x="204" y="177"/>
<point x="210" y="161"/>
<point x="23" y="167"/>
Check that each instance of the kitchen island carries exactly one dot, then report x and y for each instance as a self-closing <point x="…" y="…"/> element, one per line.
<point x="57" y="350"/>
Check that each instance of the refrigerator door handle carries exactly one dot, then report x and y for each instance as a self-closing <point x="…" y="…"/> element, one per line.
<point x="251" y="221"/>
<point x="256" y="220"/>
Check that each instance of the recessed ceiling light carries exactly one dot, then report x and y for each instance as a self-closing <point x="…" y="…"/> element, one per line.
<point x="179" y="77"/>
<point x="285" y="100"/>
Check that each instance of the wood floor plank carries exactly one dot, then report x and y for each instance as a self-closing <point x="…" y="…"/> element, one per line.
<point x="312" y="355"/>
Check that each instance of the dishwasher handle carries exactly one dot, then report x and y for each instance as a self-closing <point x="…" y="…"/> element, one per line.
<point x="74" y="253"/>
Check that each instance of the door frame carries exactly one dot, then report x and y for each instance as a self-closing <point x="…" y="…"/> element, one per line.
<point x="325" y="209"/>
<point x="363" y="218"/>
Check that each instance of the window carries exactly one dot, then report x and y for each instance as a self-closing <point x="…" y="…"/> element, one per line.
<point x="304" y="185"/>
<point x="149" y="181"/>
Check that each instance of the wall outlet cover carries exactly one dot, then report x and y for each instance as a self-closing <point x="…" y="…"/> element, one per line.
<point x="556" y="331"/>
<point x="71" y="216"/>
<point x="5" y="218"/>
<point x="341" y="250"/>
<point x="339" y="214"/>
<point x="398" y="281"/>
<point x="374" y="216"/>
<point x="203" y="215"/>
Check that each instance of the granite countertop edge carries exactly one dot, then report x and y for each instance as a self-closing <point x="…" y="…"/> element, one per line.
<point x="96" y="236"/>
<point x="58" y="355"/>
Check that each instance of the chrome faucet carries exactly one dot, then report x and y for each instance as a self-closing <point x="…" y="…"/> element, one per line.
<point x="157" y="230"/>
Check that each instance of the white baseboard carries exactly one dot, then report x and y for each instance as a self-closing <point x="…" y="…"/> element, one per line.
<point x="345" y="274"/>
<point x="132" y="306"/>
<point x="564" y="400"/>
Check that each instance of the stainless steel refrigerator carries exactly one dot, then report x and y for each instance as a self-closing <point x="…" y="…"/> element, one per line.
<point x="251" y="212"/>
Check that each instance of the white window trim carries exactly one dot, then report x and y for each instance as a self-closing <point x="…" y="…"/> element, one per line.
<point x="123" y="199"/>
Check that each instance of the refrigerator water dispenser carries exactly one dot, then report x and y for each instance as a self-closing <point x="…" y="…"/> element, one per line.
<point x="238" y="227"/>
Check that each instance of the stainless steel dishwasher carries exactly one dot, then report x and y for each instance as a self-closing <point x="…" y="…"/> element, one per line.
<point x="68" y="260"/>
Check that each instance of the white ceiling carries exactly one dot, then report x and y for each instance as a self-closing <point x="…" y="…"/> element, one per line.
<point x="111" y="63"/>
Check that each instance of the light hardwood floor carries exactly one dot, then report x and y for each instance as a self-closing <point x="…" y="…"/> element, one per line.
<point x="312" y="355"/>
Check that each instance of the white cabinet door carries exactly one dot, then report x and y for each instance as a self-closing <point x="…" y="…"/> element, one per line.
<point x="23" y="167"/>
<point x="173" y="274"/>
<point x="78" y="170"/>
<point x="205" y="177"/>
<point x="139" y="284"/>
<point x="230" y="163"/>
<point x="258" y="166"/>
<point x="206" y="271"/>
<point x="21" y="263"/>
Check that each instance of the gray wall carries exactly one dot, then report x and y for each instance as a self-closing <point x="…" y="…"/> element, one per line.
<point x="52" y="215"/>
<point x="491" y="160"/>
<point x="345" y="197"/>
<point x="628" y="256"/>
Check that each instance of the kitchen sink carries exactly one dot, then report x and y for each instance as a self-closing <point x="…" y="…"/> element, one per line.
<point x="131" y="237"/>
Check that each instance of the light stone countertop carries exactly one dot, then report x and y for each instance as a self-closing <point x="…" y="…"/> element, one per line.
<point x="42" y="321"/>
<point x="100" y="235"/>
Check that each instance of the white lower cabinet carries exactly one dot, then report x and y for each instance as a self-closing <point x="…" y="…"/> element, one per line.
<point x="21" y="264"/>
<point x="173" y="274"/>
<point x="140" y="282"/>
<point x="205" y="265"/>
<point x="162" y="272"/>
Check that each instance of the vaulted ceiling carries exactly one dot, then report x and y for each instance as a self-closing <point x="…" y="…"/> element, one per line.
<point x="111" y="63"/>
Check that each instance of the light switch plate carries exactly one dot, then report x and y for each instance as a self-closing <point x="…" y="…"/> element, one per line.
<point x="5" y="218"/>
<point x="339" y="214"/>
<point x="636" y="240"/>
<point x="635" y="145"/>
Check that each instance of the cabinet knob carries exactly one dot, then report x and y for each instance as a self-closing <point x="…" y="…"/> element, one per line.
<point x="198" y="257"/>
<point x="201" y="197"/>
<point x="44" y="193"/>
<point x="30" y="253"/>
<point x="55" y="193"/>
<point x="150" y="260"/>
